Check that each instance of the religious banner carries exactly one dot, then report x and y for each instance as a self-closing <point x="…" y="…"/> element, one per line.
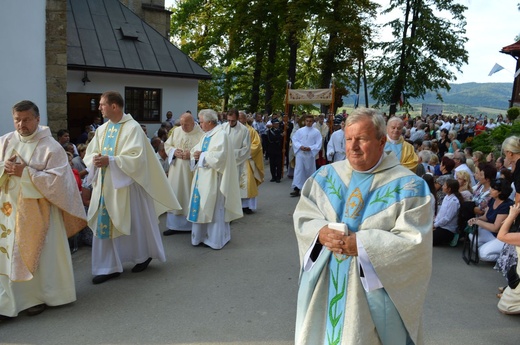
<point x="299" y="96"/>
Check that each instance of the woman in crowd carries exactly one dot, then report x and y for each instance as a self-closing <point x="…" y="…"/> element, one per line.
<point x="434" y="162"/>
<point x="478" y="157"/>
<point x="484" y="174"/>
<point x="489" y="246"/>
<point x="464" y="180"/>
<point x="510" y="299"/>
<point x="455" y="144"/>
<point x="444" y="143"/>
<point x="446" y="167"/>
<point x="446" y="224"/>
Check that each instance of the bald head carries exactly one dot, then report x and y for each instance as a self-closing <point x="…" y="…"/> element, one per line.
<point x="187" y="122"/>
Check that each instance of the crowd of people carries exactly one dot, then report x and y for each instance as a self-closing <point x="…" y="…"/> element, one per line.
<point x="394" y="184"/>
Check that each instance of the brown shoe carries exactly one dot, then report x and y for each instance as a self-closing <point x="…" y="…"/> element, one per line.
<point x="37" y="309"/>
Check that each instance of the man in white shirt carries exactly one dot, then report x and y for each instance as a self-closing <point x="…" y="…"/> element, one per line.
<point x="306" y="144"/>
<point x="336" y="144"/>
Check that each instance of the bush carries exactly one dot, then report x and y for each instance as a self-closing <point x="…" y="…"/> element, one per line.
<point x="513" y="113"/>
<point x="492" y="141"/>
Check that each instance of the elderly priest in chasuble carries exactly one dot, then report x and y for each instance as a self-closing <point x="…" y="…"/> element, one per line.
<point x="395" y="142"/>
<point x="215" y="194"/>
<point x="40" y="206"/>
<point x="180" y="175"/>
<point x="130" y="191"/>
<point x="365" y="284"/>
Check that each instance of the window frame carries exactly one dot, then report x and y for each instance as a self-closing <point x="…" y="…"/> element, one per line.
<point x="136" y="99"/>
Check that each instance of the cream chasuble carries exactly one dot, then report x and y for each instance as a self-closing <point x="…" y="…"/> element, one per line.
<point x="390" y="211"/>
<point x="217" y="173"/>
<point x="180" y="174"/>
<point x="241" y="143"/>
<point x="128" y="147"/>
<point x="38" y="211"/>
<point x="25" y="210"/>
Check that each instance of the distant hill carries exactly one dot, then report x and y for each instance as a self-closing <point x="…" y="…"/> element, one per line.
<point x="465" y="98"/>
<point x="487" y="95"/>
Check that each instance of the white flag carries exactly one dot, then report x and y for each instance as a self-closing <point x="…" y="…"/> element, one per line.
<point x="495" y="69"/>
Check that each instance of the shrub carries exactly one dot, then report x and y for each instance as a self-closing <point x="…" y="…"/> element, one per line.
<point x="513" y="113"/>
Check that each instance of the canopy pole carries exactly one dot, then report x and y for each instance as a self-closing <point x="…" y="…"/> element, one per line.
<point x="285" y="120"/>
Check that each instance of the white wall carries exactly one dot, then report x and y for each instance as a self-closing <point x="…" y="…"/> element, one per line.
<point x="22" y="58"/>
<point x="178" y="94"/>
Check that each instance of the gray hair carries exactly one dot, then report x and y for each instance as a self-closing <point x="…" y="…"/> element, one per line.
<point x="363" y="113"/>
<point x="425" y="155"/>
<point x="460" y="156"/>
<point x="511" y="144"/>
<point x="394" y="119"/>
<point x="427" y="144"/>
<point x="209" y="115"/>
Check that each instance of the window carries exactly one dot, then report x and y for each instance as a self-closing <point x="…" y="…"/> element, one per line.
<point x="143" y="104"/>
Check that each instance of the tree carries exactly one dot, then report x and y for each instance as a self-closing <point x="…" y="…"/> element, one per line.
<point x="429" y="42"/>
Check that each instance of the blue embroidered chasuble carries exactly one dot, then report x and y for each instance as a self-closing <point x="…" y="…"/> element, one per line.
<point x="195" y="198"/>
<point x="353" y="204"/>
<point x="395" y="148"/>
<point x="109" y="148"/>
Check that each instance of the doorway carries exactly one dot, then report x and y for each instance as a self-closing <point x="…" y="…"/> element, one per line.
<point x="81" y="110"/>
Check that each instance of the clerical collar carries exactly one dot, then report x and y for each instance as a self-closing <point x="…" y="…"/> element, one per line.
<point x="210" y="132"/>
<point x="373" y="168"/>
<point x="391" y="140"/>
<point x="28" y="138"/>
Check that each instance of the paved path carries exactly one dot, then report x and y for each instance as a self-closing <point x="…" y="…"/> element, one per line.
<point x="245" y="294"/>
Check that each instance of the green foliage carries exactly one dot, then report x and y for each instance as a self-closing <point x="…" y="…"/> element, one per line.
<point x="428" y="43"/>
<point x="248" y="46"/>
<point x="512" y="113"/>
<point x="492" y="141"/>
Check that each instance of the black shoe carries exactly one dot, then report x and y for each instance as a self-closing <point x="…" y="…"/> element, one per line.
<point x="278" y="181"/>
<point x="104" y="277"/>
<point x="142" y="266"/>
<point x="247" y="210"/>
<point x="169" y="232"/>
<point x="5" y="318"/>
<point x="272" y="180"/>
<point x="37" y="309"/>
<point x="295" y="193"/>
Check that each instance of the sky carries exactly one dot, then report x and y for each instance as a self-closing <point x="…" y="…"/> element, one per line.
<point x="490" y="27"/>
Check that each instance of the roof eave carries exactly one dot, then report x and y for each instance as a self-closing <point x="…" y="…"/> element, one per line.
<point x="139" y="72"/>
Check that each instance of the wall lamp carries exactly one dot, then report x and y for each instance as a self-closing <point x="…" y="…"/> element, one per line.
<point x="85" y="78"/>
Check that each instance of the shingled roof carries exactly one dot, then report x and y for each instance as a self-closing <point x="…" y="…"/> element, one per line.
<point x="104" y="35"/>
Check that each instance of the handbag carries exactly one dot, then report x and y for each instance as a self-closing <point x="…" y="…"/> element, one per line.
<point x="512" y="277"/>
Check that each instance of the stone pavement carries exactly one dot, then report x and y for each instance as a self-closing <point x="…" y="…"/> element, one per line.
<point x="245" y="294"/>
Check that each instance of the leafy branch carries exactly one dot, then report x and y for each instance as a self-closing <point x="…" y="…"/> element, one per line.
<point x="388" y="194"/>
